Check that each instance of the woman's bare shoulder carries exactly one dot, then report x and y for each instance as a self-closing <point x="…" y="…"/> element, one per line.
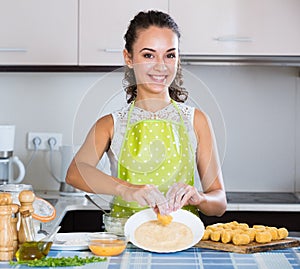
<point x="105" y="124"/>
<point x="107" y="119"/>
<point x="200" y="118"/>
<point x="202" y="126"/>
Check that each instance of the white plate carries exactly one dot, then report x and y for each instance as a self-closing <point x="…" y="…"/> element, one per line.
<point x="182" y="216"/>
<point x="73" y="241"/>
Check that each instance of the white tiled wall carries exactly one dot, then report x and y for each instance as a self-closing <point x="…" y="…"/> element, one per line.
<point x="254" y="110"/>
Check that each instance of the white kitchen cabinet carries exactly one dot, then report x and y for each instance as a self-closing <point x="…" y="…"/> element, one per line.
<point x="38" y="32"/>
<point x="238" y="27"/>
<point x="102" y="26"/>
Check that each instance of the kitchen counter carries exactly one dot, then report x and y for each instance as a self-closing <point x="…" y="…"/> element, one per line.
<point x="263" y="201"/>
<point x="189" y="259"/>
<point x="193" y="258"/>
<point x="242" y="201"/>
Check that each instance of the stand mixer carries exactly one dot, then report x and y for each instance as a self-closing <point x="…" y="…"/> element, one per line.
<point x="7" y="160"/>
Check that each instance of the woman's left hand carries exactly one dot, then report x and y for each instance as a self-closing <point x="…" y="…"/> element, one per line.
<point x="181" y="194"/>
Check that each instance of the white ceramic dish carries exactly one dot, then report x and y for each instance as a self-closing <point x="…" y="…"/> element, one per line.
<point x="71" y="241"/>
<point x="182" y="216"/>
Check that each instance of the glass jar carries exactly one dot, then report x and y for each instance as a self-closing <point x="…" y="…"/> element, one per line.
<point x="14" y="190"/>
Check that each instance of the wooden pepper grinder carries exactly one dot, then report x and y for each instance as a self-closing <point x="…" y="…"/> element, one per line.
<point x="14" y="222"/>
<point x="26" y="230"/>
<point x="6" y="233"/>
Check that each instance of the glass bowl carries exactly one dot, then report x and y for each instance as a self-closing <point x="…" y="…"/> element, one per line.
<point x="107" y="244"/>
<point x="113" y="224"/>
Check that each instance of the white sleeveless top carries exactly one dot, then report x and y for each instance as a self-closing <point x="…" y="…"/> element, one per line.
<point x="169" y="112"/>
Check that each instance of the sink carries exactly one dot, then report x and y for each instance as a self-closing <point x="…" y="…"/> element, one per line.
<point x="82" y="221"/>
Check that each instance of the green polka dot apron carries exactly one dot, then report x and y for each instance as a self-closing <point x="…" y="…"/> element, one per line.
<point x="154" y="151"/>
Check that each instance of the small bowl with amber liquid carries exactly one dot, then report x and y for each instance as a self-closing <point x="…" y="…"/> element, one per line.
<point x="107" y="244"/>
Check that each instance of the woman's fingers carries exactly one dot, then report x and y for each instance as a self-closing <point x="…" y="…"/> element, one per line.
<point x="157" y="199"/>
<point x="181" y="194"/>
<point x="174" y="196"/>
<point x="149" y="195"/>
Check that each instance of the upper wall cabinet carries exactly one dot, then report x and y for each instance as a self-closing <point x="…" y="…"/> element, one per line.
<point x="38" y="32"/>
<point x="90" y="32"/>
<point x="103" y="25"/>
<point x="235" y="27"/>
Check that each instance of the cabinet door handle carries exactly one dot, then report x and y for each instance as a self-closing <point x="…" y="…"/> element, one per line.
<point x="13" y="50"/>
<point x="231" y="38"/>
<point x="112" y="50"/>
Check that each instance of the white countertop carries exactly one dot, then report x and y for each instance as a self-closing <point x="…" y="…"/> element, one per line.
<point x="263" y="207"/>
<point x="79" y="202"/>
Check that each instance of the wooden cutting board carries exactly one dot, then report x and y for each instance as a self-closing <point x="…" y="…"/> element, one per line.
<point x="250" y="248"/>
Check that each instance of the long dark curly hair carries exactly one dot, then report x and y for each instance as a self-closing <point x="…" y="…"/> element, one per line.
<point x="143" y="20"/>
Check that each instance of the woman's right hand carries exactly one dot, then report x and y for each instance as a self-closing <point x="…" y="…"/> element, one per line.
<point x="146" y="195"/>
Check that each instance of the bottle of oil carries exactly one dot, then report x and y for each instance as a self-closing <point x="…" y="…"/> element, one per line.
<point x="26" y="230"/>
<point x="36" y="249"/>
<point x="33" y="250"/>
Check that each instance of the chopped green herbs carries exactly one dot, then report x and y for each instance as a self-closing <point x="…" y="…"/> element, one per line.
<point x="60" y="262"/>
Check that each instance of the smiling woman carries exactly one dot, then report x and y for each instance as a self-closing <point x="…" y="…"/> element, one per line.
<point x="156" y="142"/>
<point x="154" y="58"/>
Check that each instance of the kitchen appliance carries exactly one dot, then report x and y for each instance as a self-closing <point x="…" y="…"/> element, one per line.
<point x="67" y="154"/>
<point x="7" y="160"/>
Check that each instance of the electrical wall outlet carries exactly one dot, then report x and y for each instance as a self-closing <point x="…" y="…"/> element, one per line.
<point x="42" y="139"/>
